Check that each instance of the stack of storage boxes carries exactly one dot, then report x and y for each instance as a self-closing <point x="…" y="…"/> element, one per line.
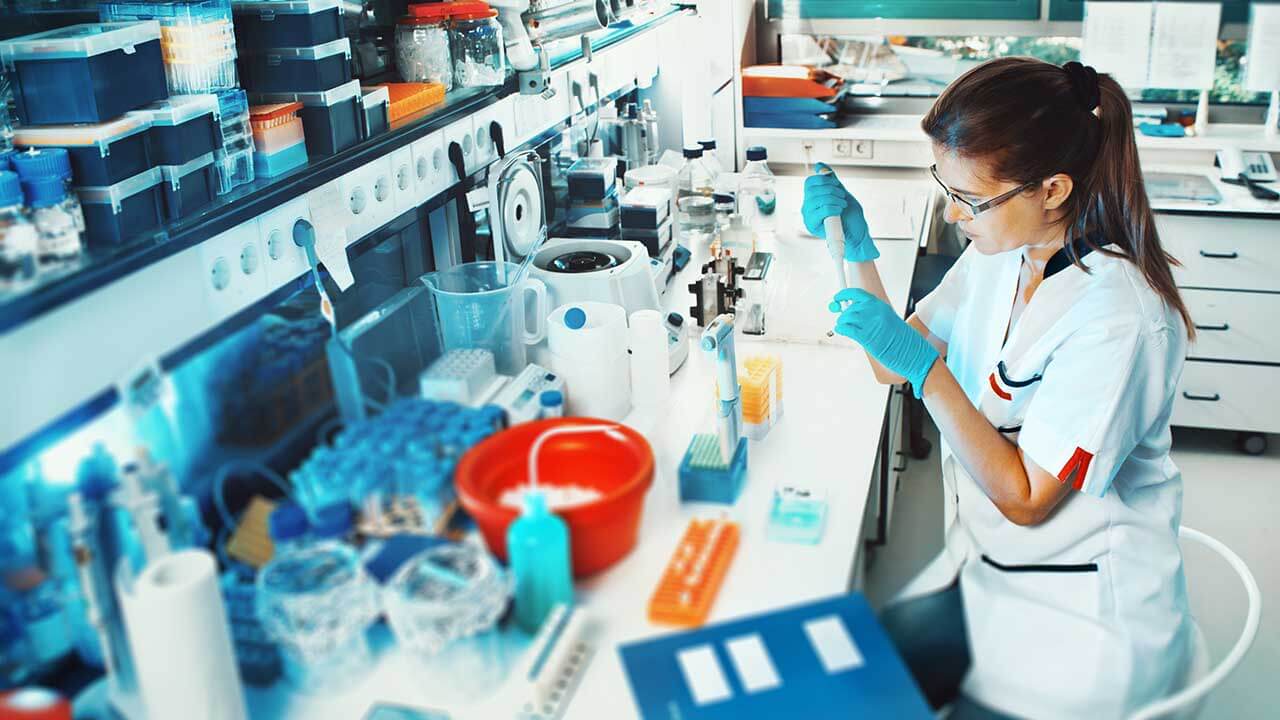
<point x="646" y="218"/>
<point x="198" y="41"/>
<point x="294" y="51"/>
<point x="593" y="197"/>
<point x="184" y="135"/>
<point x="72" y="87"/>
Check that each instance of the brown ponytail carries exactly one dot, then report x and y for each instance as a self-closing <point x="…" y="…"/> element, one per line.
<point x="1028" y="120"/>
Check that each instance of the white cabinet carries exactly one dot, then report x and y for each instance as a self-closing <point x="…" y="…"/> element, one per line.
<point x="1229" y="277"/>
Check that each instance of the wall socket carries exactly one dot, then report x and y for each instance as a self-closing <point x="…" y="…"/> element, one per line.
<point x="860" y="149"/>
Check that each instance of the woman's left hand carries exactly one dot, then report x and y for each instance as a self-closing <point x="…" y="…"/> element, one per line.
<point x="870" y="322"/>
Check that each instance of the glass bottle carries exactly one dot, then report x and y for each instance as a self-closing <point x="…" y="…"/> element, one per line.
<point x="711" y="158"/>
<point x="18" y="238"/>
<point x="479" y="54"/>
<point x="56" y="211"/>
<point x="695" y="207"/>
<point x="757" y="192"/>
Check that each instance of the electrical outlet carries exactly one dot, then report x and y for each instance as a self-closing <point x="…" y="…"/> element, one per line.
<point x="405" y="192"/>
<point x="842" y="148"/>
<point x="429" y="166"/>
<point x="863" y="149"/>
<point x="284" y="260"/>
<point x="233" y="277"/>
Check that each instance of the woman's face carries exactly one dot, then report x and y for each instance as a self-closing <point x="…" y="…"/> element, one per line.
<point x="1026" y="219"/>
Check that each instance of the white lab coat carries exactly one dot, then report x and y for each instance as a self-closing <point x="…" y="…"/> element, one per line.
<point x="1084" y="615"/>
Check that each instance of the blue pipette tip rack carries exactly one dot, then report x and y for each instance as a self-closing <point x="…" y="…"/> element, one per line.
<point x="704" y="476"/>
<point x="797" y="515"/>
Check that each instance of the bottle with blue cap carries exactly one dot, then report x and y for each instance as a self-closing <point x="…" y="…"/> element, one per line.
<point x="333" y="522"/>
<point x="17" y="236"/>
<point x="288" y="527"/>
<point x="550" y="404"/>
<point x="757" y="192"/>
<point x="45" y="174"/>
<point x="711" y="158"/>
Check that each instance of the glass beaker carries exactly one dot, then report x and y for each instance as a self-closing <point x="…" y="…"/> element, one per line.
<point x="482" y="305"/>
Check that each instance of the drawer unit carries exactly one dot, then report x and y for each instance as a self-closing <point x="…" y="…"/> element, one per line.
<point x="1234" y="326"/>
<point x="1228" y="396"/>
<point x="1222" y="252"/>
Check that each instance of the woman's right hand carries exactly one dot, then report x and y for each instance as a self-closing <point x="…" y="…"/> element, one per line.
<point x="824" y="197"/>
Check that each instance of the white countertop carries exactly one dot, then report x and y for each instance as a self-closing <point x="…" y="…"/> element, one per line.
<point x="829" y="437"/>
<point x="1235" y="198"/>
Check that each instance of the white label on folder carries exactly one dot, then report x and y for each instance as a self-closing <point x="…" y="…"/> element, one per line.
<point x="752" y="662"/>
<point x="703" y="675"/>
<point x="831" y="640"/>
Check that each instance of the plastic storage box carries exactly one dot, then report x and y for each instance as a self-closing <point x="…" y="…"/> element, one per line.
<point x="298" y="69"/>
<point x="286" y="23"/>
<point x="234" y="162"/>
<point x="409" y="99"/>
<point x="85" y="73"/>
<point x="270" y="165"/>
<point x="197" y="40"/>
<point x="102" y="154"/>
<point x="376" y="102"/>
<point x="183" y="128"/>
<point x="330" y="119"/>
<point x="116" y="213"/>
<point x="275" y="127"/>
<point x="189" y="187"/>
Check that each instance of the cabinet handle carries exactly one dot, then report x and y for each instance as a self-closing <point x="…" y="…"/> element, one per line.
<point x="1232" y="255"/>
<point x="1219" y="326"/>
<point x="1206" y="398"/>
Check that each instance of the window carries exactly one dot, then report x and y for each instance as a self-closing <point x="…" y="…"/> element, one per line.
<point x="922" y="66"/>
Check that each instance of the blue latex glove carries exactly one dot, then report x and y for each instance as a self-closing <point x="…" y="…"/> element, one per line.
<point x="870" y="322"/>
<point x="825" y="197"/>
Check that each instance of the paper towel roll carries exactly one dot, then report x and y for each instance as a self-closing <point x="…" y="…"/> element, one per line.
<point x="177" y="629"/>
<point x="650" y="371"/>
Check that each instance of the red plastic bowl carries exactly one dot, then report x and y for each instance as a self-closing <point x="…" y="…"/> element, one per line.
<point x="601" y="532"/>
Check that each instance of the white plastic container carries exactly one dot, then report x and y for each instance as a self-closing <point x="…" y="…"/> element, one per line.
<point x="588" y="348"/>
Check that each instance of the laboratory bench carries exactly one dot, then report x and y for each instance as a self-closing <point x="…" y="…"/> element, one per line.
<point x="831" y="438"/>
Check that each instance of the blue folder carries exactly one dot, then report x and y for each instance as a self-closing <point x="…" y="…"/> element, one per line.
<point x="801" y="121"/>
<point x="827" y="659"/>
<point x="806" y="106"/>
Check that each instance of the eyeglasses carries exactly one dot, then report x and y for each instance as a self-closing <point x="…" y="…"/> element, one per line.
<point x="976" y="209"/>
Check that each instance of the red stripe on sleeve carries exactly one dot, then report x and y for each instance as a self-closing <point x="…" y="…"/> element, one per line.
<point x="995" y="387"/>
<point x="1078" y="465"/>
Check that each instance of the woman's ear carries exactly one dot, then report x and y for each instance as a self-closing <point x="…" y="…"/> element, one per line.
<point x="1057" y="189"/>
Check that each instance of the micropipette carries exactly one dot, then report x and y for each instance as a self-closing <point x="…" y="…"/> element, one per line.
<point x="835" y="246"/>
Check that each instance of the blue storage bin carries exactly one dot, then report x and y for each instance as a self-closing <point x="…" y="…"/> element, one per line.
<point x="183" y="128"/>
<point x="102" y="154"/>
<point x="262" y="24"/>
<point x="331" y="120"/>
<point x="189" y="187"/>
<point x="281" y="161"/>
<point x="297" y="69"/>
<point x="120" y="212"/>
<point x="88" y="73"/>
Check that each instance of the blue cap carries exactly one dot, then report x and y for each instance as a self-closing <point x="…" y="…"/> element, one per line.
<point x="96" y="476"/>
<point x="332" y="521"/>
<point x="42" y="192"/>
<point x="575" y="318"/>
<point x="288" y="522"/>
<point x="35" y="164"/>
<point x="10" y="189"/>
<point x="692" y="151"/>
<point x="757" y="152"/>
<point x="707" y="144"/>
<point x="551" y="398"/>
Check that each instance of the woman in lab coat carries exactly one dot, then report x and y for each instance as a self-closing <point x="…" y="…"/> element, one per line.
<point x="1048" y="358"/>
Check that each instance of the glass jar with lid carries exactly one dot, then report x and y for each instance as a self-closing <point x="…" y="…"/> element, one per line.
<point x="479" y="56"/>
<point x="423" y="44"/>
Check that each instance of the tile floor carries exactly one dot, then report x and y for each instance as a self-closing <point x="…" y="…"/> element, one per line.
<point x="1228" y="495"/>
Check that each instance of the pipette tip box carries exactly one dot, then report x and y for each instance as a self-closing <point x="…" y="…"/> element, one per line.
<point x="294" y="23"/>
<point x="182" y="128"/>
<point x="189" y="187"/>
<point x="87" y="73"/>
<point x="101" y="154"/>
<point x="332" y="120"/>
<point x="797" y="515"/>
<point x="706" y="477"/>
<point x="119" y="212"/>
<point x="298" y="69"/>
